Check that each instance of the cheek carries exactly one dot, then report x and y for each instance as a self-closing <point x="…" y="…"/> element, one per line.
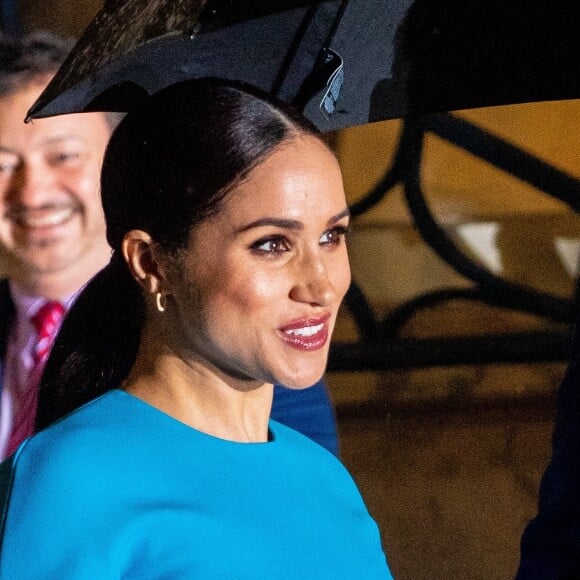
<point x="3" y="222"/>
<point x="84" y="184"/>
<point x="6" y="235"/>
<point x="250" y="293"/>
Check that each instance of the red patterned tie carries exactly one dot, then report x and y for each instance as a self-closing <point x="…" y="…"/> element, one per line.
<point x="47" y="322"/>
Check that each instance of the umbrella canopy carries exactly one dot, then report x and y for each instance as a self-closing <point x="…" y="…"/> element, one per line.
<point x="342" y="63"/>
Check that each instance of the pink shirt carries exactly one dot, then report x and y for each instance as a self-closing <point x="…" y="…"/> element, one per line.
<point x="19" y="356"/>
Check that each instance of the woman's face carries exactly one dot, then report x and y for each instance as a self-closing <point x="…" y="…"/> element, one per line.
<point x="256" y="292"/>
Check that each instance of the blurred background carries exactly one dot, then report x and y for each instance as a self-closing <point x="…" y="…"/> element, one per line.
<point x="448" y="457"/>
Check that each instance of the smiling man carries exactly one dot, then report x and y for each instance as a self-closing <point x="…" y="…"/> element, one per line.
<point x="52" y="231"/>
<point x="52" y="239"/>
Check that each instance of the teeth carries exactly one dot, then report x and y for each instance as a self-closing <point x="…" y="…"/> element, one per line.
<point x="306" y="331"/>
<point x="50" y="219"/>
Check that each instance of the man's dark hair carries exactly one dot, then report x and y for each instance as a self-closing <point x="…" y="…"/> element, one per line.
<point x="25" y="59"/>
<point x="33" y="57"/>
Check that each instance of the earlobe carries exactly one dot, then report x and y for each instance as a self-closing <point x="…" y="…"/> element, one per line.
<point x="138" y="249"/>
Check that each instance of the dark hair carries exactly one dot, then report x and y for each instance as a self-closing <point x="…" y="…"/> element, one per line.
<point x="33" y="57"/>
<point x="168" y="166"/>
<point x="24" y="59"/>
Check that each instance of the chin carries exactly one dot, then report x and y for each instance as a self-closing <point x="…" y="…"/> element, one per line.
<point x="300" y="382"/>
<point x="45" y="259"/>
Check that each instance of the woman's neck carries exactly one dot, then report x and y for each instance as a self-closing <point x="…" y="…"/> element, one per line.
<point x="201" y="396"/>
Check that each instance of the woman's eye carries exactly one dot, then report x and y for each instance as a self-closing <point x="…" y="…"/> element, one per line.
<point x="334" y="236"/>
<point x="271" y="246"/>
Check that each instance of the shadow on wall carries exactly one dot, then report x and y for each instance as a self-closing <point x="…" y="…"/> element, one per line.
<point x="506" y="224"/>
<point x="503" y="223"/>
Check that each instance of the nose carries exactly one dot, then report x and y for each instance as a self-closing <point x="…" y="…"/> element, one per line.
<point x="314" y="281"/>
<point x="32" y="185"/>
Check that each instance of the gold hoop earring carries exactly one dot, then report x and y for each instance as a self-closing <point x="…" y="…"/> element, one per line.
<point x="160" y="301"/>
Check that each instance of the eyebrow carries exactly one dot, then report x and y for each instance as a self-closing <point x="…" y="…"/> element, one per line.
<point x="65" y="137"/>
<point x="49" y="141"/>
<point x="288" y="224"/>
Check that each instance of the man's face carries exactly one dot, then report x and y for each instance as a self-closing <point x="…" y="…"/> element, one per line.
<point x="50" y="210"/>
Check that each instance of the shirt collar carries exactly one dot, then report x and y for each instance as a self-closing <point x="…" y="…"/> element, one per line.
<point x="27" y="305"/>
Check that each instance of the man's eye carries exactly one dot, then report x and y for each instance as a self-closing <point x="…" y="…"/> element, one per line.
<point x="65" y="157"/>
<point x="335" y="236"/>
<point x="7" y="167"/>
<point x="271" y="246"/>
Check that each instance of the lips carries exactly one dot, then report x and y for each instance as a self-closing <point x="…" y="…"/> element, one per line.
<point x="307" y="333"/>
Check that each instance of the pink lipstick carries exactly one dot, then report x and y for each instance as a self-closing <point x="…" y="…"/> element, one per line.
<point x="307" y="333"/>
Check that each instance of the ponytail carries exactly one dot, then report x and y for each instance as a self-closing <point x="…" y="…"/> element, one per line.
<point x="96" y="345"/>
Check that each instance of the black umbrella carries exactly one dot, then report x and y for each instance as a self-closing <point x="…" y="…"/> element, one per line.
<point x="342" y="62"/>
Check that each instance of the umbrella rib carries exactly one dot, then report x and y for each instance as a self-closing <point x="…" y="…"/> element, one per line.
<point x="290" y="56"/>
<point x="336" y="23"/>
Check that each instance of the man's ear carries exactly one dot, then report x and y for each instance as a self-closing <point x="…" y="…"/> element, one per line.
<point x="142" y="256"/>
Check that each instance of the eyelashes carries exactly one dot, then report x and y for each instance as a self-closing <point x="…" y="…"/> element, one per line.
<point x="279" y="244"/>
<point x="271" y="245"/>
<point x="336" y="235"/>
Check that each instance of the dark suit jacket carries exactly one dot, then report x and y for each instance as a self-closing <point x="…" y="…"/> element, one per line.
<point x="550" y="546"/>
<point x="6" y="315"/>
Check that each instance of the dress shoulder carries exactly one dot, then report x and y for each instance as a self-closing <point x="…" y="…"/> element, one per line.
<point x="56" y="461"/>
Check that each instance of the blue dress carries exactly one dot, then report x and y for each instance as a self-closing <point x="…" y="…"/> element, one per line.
<point x="119" y="489"/>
